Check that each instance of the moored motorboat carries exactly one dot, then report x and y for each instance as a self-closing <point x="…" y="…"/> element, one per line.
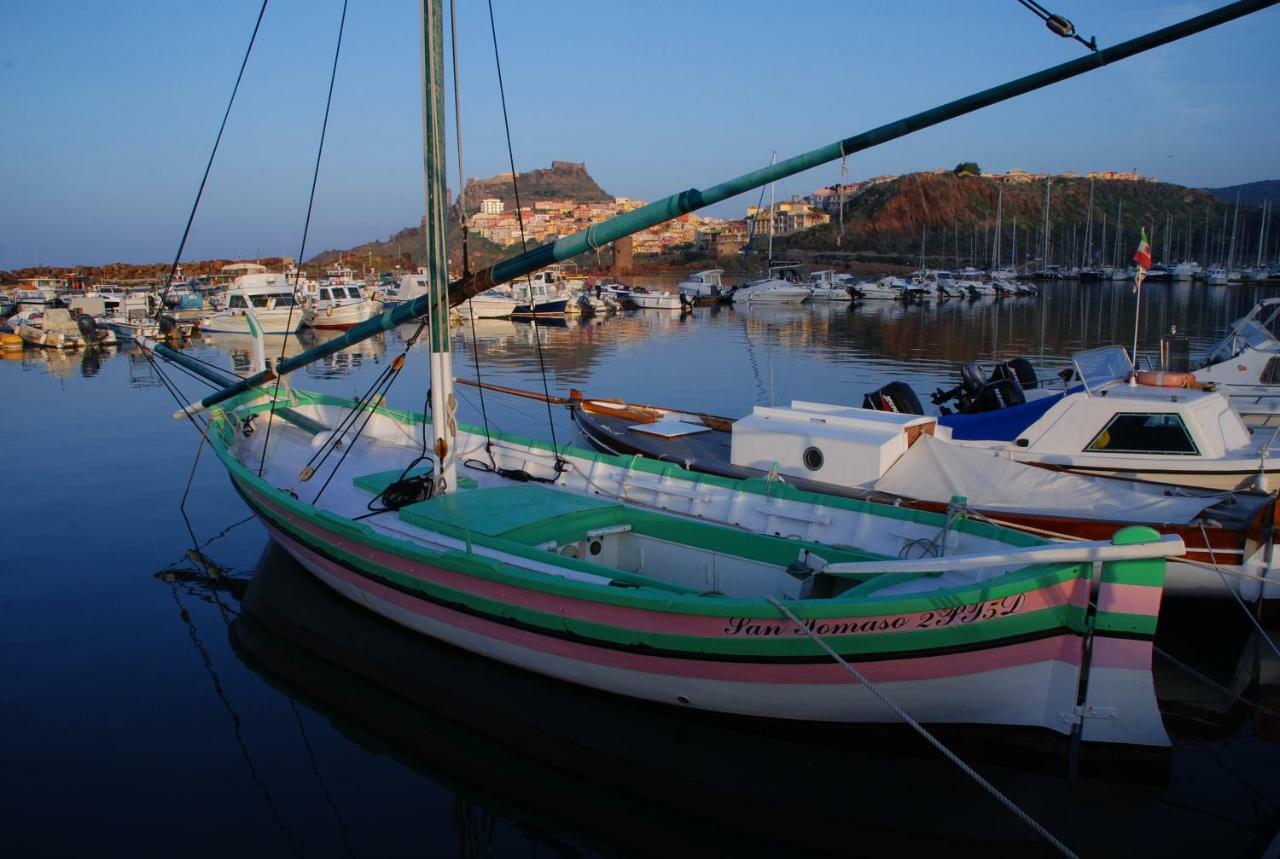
<point x="824" y="287"/>
<point x="55" y="328"/>
<point x="778" y="287"/>
<point x="271" y="299"/>
<point x="338" y="305"/>
<point x="704" y="287"/>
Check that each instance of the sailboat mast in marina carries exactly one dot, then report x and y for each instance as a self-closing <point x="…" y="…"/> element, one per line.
<point x="443" y="402"/>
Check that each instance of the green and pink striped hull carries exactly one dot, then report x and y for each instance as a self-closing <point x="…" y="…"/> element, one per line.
<point x="1017" y="651"/>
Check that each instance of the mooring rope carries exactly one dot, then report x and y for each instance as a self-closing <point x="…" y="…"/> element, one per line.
<point x="924" y="732"/>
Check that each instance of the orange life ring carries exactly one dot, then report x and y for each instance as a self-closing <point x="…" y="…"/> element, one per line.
<point x="1162" y="379"/>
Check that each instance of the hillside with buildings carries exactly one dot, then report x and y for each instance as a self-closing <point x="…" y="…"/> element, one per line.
<point x="953" y="215"/>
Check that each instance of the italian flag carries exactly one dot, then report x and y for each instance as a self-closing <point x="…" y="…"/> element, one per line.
<point x="1143" y="258"/>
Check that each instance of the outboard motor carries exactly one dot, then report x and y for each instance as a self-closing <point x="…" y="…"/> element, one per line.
<point x="1018" y="369"/>
<point x="995" y="395"/>
<point x="88" y="328"/>
<point x="894" y="397"/>
<point x="167" y="325"/>
<point x="972" y="378"/>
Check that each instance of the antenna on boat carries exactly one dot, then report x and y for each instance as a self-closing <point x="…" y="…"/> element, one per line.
<point x="443" y="401"/>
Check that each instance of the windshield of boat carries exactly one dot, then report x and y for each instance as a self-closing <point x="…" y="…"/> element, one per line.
<point x="1100" y="367"/>
<point x="1257" y="336"/>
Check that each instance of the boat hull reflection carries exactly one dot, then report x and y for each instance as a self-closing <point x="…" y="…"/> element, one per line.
<point x="621" y="774"/>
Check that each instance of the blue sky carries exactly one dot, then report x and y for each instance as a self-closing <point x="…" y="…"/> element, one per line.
<point x="110" y="108"/>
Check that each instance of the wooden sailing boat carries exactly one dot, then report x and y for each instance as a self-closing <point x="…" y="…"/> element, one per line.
<point x="716" y="595"/>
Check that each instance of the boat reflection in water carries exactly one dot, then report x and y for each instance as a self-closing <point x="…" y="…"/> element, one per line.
<point x="239" y="349"/>
<point x="571" y="766"/>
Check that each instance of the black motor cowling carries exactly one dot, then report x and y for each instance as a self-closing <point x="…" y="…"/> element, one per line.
<point x="167" y="324"/>
<point x="995" y="395"/>
<point x="894" y="397"/>
<point x="1018" y="369"/>
<point x="88" y="328"/>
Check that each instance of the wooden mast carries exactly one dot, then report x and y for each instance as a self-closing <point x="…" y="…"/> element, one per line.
<point x="443" y="402"/>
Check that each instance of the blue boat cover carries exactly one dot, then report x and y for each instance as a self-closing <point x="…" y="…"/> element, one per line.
<point x="1000" y="425"/>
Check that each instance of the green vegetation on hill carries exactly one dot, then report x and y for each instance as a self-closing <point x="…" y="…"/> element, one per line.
<point x="955" y="213"/>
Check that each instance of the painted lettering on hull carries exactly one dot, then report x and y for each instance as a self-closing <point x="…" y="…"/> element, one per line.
<point x="960" y="615"/>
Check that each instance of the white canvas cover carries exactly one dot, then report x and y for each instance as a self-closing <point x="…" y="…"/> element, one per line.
<point x="933" y="470"/>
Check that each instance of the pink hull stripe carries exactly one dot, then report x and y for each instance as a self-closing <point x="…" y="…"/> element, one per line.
<point x="1129" y="599"/>
<point x="1121" y="653"/>
<point x="1062" y="648"/>
<point x="1074" y="592"/>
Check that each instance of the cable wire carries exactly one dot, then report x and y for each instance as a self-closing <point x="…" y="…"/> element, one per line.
<point x="306" y="227"/>
<point x="173" y="270"/>
<point x="515" y="188"/>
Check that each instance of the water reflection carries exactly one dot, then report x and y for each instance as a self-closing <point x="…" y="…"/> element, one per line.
<point x="531" y="756"/>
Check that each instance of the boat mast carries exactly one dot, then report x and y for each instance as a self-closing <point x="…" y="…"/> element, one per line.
<point x="437" y="261"/>
<point x="1087" y="260"/>
<point x="995" y="244"/>
<point x="1231" y="253"/>
<point x="1262" y="226"/>
<point x="1102" y="245"/>
<point x="773" y="159"/>
<point x="1048" y="181"/>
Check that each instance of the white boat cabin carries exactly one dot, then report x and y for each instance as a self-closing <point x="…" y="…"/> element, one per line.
<point x="266" y="291"/>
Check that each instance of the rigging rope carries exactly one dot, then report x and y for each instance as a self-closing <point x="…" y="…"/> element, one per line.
<point x="515" y="187"/>
<point x="306" y="226"/>
<point x="173" y="270"/>
<point x="925" y="733"/>
<point x="462" y="218"/>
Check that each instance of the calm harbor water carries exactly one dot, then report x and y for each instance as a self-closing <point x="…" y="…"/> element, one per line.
<point x="158" y="699"/>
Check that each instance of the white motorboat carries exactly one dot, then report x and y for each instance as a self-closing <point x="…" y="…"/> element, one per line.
<point x="269" y="296"/>
<point x="490" y="304"/>
<point x="873" y="290"/>
<point x="1215" y="275"/>
<point x="655" y="299"/>
<point x="705" y="287"/>
<point x="337" y="305"/>
<point x="776" y="288"/>
<point x="538" y="295"/>
<point x="823" y="286"/>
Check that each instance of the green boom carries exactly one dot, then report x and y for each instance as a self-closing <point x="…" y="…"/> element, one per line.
<point x="694" y="199"/>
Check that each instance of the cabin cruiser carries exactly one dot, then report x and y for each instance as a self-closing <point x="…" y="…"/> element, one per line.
<point x="1105" y="421"/>
<point x="406" y="288"/>
<point x="823" y="286"/>
<point x="778" y="287"/>
<point x="490" y="304"/>
<point x="337" y="305"/>
<point x="655" y="299"/>
<point x="877" y="289"/>
<point x="702" y="288"/>
<point x="271" y="299"/>
<point x="33" y="299"/>
<point x="539" y="295"/>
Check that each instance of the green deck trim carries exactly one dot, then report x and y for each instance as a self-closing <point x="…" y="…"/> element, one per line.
<point x="784" y="644"/>
<point x="642" y="597"/>
<point x="776" y="489"/>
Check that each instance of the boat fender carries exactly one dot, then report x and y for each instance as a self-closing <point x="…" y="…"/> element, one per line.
<point x="1164" y="379"/>
<point x="328" y="311"/>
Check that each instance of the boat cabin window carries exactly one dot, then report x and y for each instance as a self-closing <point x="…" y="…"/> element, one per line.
<point x="353" y="292"/>
<point x="236" y="301"/>
<point x="1144" y="433"/>
<point x="1271" y="373"/>
<point x="324" y="295"/>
